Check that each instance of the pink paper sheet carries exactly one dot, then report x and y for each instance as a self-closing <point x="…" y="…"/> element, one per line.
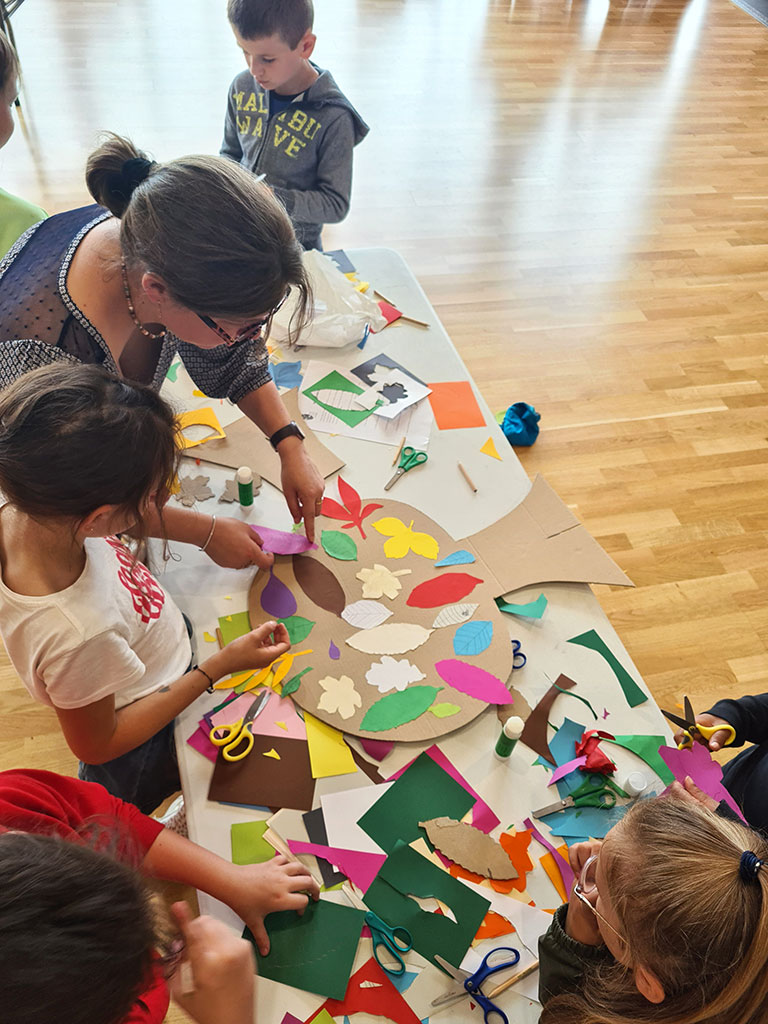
<point x="199" y="741"/>
<point x="360" y="868"/>
<point x="278" y="709"/>
<point x="706" y="773"/>
<point x="279" y="542"/>
<point x="566" y="872"/>
<point x="377" y="749"/>
<point x="567" y="768"/>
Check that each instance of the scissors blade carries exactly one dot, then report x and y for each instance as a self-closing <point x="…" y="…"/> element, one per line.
<point x="551" y="808"/>
<point x="395" y="477"/>
<point x="257" y="707"/>
<point x="455" y="972"/>
<point x="689" y="713"/>
<point x="675" y="718"/>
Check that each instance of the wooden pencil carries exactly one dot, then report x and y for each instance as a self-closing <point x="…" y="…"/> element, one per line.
<point x="467" y="477"/>
<point x="220" y="638"/>
<point x="515" y="978"/>
<point x="413" y="320"/>
<point x="397" y="453"/>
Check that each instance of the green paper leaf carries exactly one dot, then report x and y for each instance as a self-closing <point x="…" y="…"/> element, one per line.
<point x="445" y="710"/>
<point x="298" y="628"/>
<point x="531" y="610"/>
<point x="293" y="683"/>
<point x="339" y="545"/>
<point x="595" y="642"/>
<point x="473" y="637"/>
<point x="398" y="708"/>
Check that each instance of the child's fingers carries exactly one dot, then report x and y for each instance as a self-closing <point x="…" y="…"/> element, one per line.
<point x="271" y="651"/>
<point x="262" y="634"/>
<point x="183" y="914"/>
<point x="281" y="635"/>
<point x="259" y="933"/>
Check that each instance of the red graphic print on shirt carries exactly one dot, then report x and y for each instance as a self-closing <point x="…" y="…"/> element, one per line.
<point x="148" y="597"/>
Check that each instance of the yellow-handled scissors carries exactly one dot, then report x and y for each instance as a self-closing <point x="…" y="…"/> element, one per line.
<point x="231" y="736"/>
<point x="693" y="730"/>
<point x="409" y="459"/>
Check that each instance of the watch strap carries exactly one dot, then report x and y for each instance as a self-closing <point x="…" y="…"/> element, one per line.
<point x="290" y="430"/>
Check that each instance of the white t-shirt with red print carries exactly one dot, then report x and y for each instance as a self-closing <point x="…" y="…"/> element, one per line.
<point x="114" y="631"/>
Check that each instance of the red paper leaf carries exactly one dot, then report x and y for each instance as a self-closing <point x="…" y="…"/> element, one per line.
<point x="351" y="510"/>
<point x="447" y="588"/>
<point x="334" y="510"/>
<point x="350" y="497"/>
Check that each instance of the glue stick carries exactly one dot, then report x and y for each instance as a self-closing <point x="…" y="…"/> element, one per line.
<point x="511" y="732"/>
<point x="636" y="784"/>
<point x="245" y="485"/>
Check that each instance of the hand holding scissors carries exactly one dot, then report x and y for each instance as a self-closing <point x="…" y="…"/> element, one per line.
<point x="395" y="940"/>
<point x="693" y="729"/>
<point x="409" y="459"/>
<point x="470" y="984"/>
<point x="596" y="791"/>
<point x="236" y="733"/>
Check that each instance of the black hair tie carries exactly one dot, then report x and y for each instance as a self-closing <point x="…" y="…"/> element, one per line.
<point x="134" y="171"/>
<point x="749" y="866"/>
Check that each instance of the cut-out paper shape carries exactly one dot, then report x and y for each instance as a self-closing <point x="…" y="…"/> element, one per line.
<point x="377" y="749"/>
<point x="233" y="626"/>
<point x="390" y="638"/>
<point x="594" y="642"/>
<point x="258" y="781"/>
<point x="473" y="638"/>
<point x="443" y="589"/>
<point x="454" y="615"/>
<point x="208" y="638"/>
<point x="455" y="406"/>
<point x="286" y="374"/>
<point x="534" y="735"/>
<point x="444" y="710"/>
<point x="381" y="581"/>
<point x="366" y="614"/>
<point x="360" y="868"/>
<point x="583" y="700"/>
<point x="398" y="708"/>
<point x="279" y="542"/>
<point x="565" y="769"/>
<point x="493" y="927"/>
<point x="553" y="874"/>
<point x="576" y="823"/>
<point x="272" y="753"/>
<point x="403" y="539"/>
<point x="472" y="680"/>
<point x="314" y="823"/>
<point x="333" y="651"/>
<point x="298" y="628"/>
<point x="530" y="610"/>
<point x="328" y="753"/>
<point x="248" y="843"/>
<point x="566" y="872"/>
<point x="339" y="545"/>
<point x="371" y="991"/>
<point x="466" y="845"/>
<point x="192" y="489"/>
<point x="314" y="952"/>
<point x="173" y="370"/>
<point x="705" y="772"/>
<point x="391" y="674"/>
<point x="292" y="685"/>
<point x="322" y="394"/>
<point x="351" y="512"/>
<point x="230" y="494"/>
<point x="595" y="758"/>
<point x="489" y="448"/>
<point x="319" y="584"/>
<point x="462" y="557"/>
<point x="340" y="696"/>
<point x="647" y="748"/>
<point x="276" y="598"/>
<point x="198" y="418"/>
<point x="530" y="922"/>
<point x="281" y="725"/>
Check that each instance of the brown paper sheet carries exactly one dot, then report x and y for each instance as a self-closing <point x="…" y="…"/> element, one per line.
<point x="468" y="846"/>
<point x="261" y="781"/>
<point x="535" y="732"/>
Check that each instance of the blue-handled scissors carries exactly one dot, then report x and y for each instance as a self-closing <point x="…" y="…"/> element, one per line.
<point x="395" y="940"/>
<point x="518" y="658"/>
<point x="409" y="459"/>
<point x="595" y="791"/>
<point x="469" y="984"/>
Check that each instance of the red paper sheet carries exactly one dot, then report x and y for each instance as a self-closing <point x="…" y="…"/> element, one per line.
<point x="380" y="1000"/>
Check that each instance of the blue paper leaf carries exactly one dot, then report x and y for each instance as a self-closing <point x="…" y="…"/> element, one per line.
<point x="462" y="557"/>
<point x="473" y="637"/>
<point x="286" y="375"/>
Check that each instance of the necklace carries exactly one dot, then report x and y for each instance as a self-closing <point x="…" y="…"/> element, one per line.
<point x="132" y="311"/>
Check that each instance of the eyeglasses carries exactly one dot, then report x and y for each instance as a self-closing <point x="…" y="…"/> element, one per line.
<point x="586" y="884"/>
<point x="249" y="333"/>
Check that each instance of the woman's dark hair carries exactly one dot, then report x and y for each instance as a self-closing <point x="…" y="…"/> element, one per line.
<point x="220" y="241"/>
<point x="74" y="437"/>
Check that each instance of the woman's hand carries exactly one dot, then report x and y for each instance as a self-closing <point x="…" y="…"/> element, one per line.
<point x="235" y="545"/>
<point x="256" y="649"/>
<point x="280" y="884"/>
<point x="580" y="921"/>
<point x="302" y="484"/>
<point x="716" y="740"/>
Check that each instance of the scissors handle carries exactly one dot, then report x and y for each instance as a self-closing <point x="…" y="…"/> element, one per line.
<point x="492" y="1014"/>
<point x="708" y="731"/>
<point x="518" y="658"/>
<point x="410" y="458"/>
<point x="221" y="735"/>
<point x="245" y="735"/>
<point x="603" y="798"/>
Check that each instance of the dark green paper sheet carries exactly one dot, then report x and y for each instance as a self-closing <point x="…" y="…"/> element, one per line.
<point x="595" y="642"/>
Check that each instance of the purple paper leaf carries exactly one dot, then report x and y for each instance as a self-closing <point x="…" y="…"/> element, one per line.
<point x="276" y="599"/>
<point x="281" y="543"/>
<point x="333" y="651"/>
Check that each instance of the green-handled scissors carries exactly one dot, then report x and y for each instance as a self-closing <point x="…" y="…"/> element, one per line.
<point x="395" y="940"/>
<point x="231" y="736"/>
<point x="596" y="791"/>
<point x="409" y="459"/>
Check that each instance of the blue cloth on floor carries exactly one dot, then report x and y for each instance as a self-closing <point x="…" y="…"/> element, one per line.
<point x="521" y="424"/>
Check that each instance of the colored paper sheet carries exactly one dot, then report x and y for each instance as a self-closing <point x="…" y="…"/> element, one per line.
<point x="489" y="448"/>
<point x="447" y="588"/>
<point x="566" y="872"/>
<point x="279" y="542"/>
<point x="286" y="374"/>
<point x="314" y="952"/>
<point x="455" y="406"/>
<point x="233" y="626"/>
<point x="535" y="731"/>
<point x="260" y="781"/>
<point x="342" y="261"/>
<point x="423" y="791"/>
<point x="553" y="873"/>
<point x="360" y="868"/>
<point x="462" y="557"/>
<point x="594" y="642"/>
<point x="576" y="823"/>
<point x="706" y="773"/>
<point x="395" y="709"/>
<point x="342" y="811"/>
<point x="566" y="769"/>
<point x="370" y="370"/>
<point x="328" y="753"/>
<point x="377" y="749"/>
<point x="248" y="843"/>
<point x="531" y="610"/>
<point x="322" y="394"/>
<point x="474" y="681"/>
<point x="529" y="922"/>
<point x="647" y="748"/>
<point x="200" y="741"/>
<point x="314" y="823"/>
<point x="404" y="874"/>
<point x="290" y="1019"/>
<point x="199" y="417"/>
<point x="371" y="991"/>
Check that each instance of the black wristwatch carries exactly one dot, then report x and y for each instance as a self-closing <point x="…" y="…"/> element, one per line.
<point x="291" y="430"/>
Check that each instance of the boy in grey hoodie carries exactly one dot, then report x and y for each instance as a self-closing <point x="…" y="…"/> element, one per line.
<point x="287" y="119"/>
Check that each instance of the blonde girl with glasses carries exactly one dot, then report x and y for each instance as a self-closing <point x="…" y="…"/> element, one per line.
<point x="668" y="922"/>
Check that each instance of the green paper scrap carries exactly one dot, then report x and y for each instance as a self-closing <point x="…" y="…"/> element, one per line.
<point x="293" y="683"/>
<point x="444" y="710"/>
<point x="422" y="792"/>
<point x="632" y="691"/>
<point x="233" y="626"/>
<point x="339" y="545"/>
<point x="570" y="693"/>
<point x="647" y="748"/>
<point x="334" y="381"/>
<point x="298" y="628"/>
<point x="315" y="952"/>
<point x="241" y="687"/>
<point x="248" y="843"/>
<point x="173" y="370"/>
<point x="398" y="708"/>
<point x="406" y="873"/>
<point x="531" y="610"/>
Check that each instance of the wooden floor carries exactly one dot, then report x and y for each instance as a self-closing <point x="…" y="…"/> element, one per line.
<point x="581" y="187"/>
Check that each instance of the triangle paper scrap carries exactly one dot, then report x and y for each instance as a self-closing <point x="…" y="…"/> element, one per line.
<point x="489" y="448"/>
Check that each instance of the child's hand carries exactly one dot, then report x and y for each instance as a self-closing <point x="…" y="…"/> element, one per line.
<point x="234" y="545"/>
<point x="717" y="738"/>
<point x="691" y="792"/>
<point x="222" y="968"/>
<point x="280" y="884"/>
<point x="256" y="649"/>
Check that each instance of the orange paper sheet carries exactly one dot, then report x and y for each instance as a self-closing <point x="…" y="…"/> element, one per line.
<point x="455" y="406"/>
<point x="548" y="863"/>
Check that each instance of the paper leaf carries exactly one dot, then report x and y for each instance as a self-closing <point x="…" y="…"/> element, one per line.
<point x="398" y="708"/>
<point x="445" y="710"/>
<point x="462" y="557"/>
<point x="192" y="489"/>
<point x="272" y="753"/>
<point x="390" y="674"/>
<point x="489" y="448"/>
<point x="292" y="685"/>
<point x="281" y="543"/>
<point x="595" y="642"/>
<point x="230" y="492"/>
<point x="390" y="638"/>
<point x="298" y="628"/>
<point x="276" y="598"/>
<point x="473" y="638"/>
<point x="404" y="539"/>
<point x="381" y="581"/>
<point x="466" y="845"/>
<point x="454" y="614"/>
<point x="366" y="614"/>
<point x="351" y="511"/>
<point x="443" y="589"/>
<point x="530" y="610"/>
<point x="340" y="697"/>
<point x="472" y="680"/>
<point x="339" y="545"/>
<point x="319" y="584"/>
<point x="333" y="651"/>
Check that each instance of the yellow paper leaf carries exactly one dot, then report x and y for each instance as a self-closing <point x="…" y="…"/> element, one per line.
<point x="198" y="418"/>
<point x="328" y="753"/>
<point x="489" y="448"/>
<point x="233" y="681"/>
<point x="272" y="753"/>
<point x="404" y="539"/>
<point x="208" y="638"/>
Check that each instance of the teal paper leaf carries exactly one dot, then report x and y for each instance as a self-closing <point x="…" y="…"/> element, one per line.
<point x="473" y="637"/>
<point x="298" y="628"/>
<point x="462" y="557"/>
<point x="398" y="708"/>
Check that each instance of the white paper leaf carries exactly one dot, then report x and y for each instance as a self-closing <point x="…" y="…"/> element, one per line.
<point x="366" y="614"/>
<point x="391" y="638"/>
<point x="454" y="615"/>
<point x="390" y="674"/>
<point x="473" y="638"/>
<point x="340" y="696"/>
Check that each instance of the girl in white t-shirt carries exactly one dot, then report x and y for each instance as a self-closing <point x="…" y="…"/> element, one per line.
<point x="85" y="457"/>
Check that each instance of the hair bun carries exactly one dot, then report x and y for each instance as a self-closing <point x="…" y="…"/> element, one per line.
<point x="136" y="170"/>
<point x="749" y="866"/>
<point x="114" y="171"/>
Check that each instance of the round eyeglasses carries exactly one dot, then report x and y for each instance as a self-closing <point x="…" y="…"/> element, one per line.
<point x="587" y="884"/>
<point x="251" y="332"/>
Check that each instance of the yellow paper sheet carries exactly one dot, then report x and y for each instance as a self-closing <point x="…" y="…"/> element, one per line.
<point x="328" y="753"/>
<point x="198" y="418"/>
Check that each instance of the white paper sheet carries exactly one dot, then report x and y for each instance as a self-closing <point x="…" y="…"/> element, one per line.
<point x="343" y="810"/>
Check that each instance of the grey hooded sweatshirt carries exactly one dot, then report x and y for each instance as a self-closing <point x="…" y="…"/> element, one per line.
<point x="305" y="151"/>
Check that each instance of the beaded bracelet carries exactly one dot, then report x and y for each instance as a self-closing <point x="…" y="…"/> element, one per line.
<point x="209" y="688"/>
<point x="208" y="538"/>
